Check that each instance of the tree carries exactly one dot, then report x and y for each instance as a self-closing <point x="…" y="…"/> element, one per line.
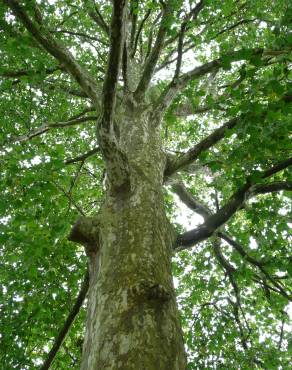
<point x="110" y="111"/>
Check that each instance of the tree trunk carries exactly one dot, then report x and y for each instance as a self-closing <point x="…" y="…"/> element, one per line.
<point x="132" y="318"/>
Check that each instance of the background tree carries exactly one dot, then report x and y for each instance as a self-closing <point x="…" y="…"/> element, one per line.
<point x="110" y="110"/>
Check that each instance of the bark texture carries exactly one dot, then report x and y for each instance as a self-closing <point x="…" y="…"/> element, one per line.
<point x="132" y="320"/>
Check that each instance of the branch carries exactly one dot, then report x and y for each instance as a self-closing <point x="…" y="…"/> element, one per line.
<point x="98" y="19"/>
<point x="222" y="260"/>
<point x="55" y="48"/>
<point x="180" y="83"/>
<point x="229" y="28"/>
<point x="65" y="329"/>
<point x="185" y="159"/>
<point x="154" y="55"/>
<point x="167" y="61"/>
<point x="196" y="206"/>
<point x="240" y="249"/>
<point x="176" y="163"/>
<point x="24" y="72"/>
<point x="44" y="128"/>
<point x="193" y="14"/>
<point x="70" y="198"/>
<point x="82" y="157"/>
<point x="67" y="89"/>
<point x="117" y="33"/>
<point x="81" y="35"/>
<point x="230" y="270"/>
<point x="270" y="188"/>
<point x="116" y="161"/>
<point x="277" y="168"/>
<point x="139" y="32"/>
<point x="188" y="199"/>
<point x="213" y="222"/>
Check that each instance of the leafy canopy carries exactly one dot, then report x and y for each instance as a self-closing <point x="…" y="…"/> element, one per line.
<point x="233" y="288"/>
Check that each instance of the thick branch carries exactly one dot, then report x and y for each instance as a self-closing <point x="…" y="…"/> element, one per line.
<point x="269" y="188"/>
<point x="277" y="168"/>
<point x="196" y="206"/>
<point x="65" y="329"/>
<point x="117" y="33"/>
<point x="192" y="154"/>
<point x="54" y="48"/>
<point x="213" y="222"/>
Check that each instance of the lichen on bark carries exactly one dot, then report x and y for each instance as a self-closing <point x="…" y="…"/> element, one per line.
<point x="132" y="319"/>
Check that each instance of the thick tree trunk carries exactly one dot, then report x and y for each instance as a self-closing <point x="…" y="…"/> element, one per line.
<point x="132" y="319"/>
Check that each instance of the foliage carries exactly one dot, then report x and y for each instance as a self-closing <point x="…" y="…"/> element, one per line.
<point x="233" y="317"/>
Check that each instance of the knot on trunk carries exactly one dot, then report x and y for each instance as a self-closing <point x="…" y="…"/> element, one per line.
<point x="85" y="232"/>
<point x="148" y="289"/>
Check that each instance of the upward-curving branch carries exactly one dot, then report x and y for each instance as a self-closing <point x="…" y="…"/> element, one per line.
<point x="178" y="84"/>
<point x="117" y="36"/>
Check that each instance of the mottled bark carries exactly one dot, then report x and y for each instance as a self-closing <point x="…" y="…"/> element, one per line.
<point x="132" y="319"/>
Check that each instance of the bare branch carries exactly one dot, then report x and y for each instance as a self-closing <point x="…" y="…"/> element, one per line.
<point x="66" y="327"/>
<point x="180" y="50"/>
<point x="229" y="28"/>
<point x="240" y="249"/>
<point x="277" y="168"/>
<point x="192" y="15"/>
<point x="281" y="333"/>
<point x="70" y="198"/>
<point x="176" y="163"/>
<point x="192" y="203"/>
<point x="221" y="258"/>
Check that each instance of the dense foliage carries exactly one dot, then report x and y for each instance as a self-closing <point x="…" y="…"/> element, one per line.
<point x="233" y="294"/>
